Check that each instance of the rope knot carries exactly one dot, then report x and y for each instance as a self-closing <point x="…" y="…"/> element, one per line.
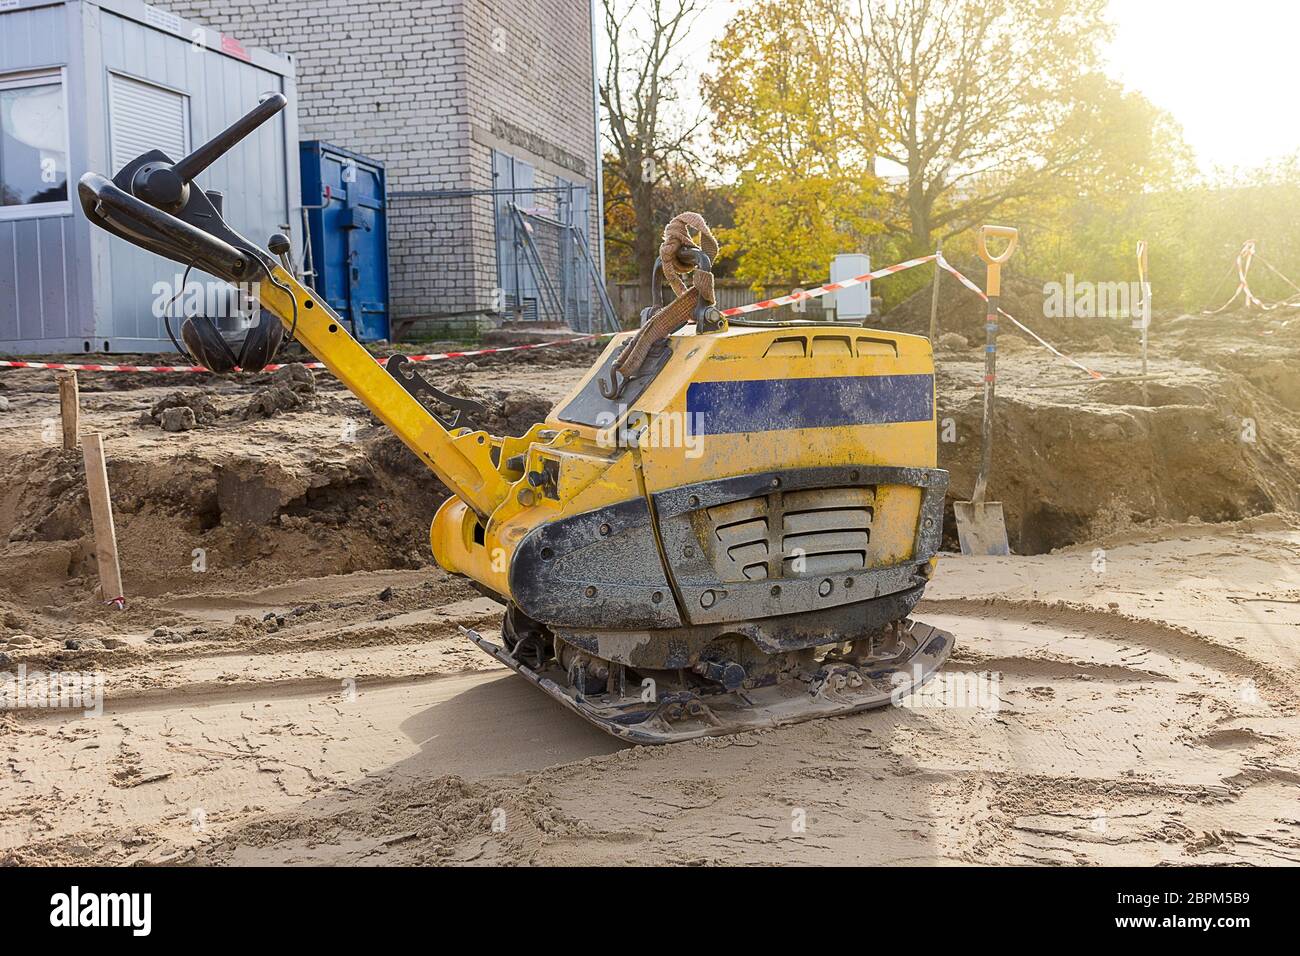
<point x="677" y="236"/>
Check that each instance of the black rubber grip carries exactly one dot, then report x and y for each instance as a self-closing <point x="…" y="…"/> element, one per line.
<point x="212" y="150"/>
<point x="101" y="200"/>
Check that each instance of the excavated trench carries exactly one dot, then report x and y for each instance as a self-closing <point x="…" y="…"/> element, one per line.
<point x="269" y="495"/>
<point x="1074" y="463"/>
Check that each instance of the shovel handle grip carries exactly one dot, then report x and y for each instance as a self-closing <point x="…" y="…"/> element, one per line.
<point x="1009" y="233"/>
<point x="1012" y="235"/>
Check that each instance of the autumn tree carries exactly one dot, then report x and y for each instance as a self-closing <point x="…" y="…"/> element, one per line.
<point x="980" y="104"/>
<point x="682" y="187"/>
<point x="782" y="94"/>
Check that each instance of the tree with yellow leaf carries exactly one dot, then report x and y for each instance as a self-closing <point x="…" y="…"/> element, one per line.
<point x="966" y="108"/>
<point x="783" y="100"/>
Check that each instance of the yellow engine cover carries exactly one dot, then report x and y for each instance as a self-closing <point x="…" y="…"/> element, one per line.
<point x="789" y="404"/>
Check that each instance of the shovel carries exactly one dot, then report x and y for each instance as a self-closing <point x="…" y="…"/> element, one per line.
<point x="981" y="526"/>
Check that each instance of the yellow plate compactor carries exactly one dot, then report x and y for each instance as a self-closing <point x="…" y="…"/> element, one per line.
<point x="723" y="527"/>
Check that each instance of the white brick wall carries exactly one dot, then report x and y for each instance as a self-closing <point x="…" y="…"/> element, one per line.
<point x="429" y="88"/>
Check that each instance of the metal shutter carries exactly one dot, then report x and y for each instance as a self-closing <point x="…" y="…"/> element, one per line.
<point x="143" y="117"/>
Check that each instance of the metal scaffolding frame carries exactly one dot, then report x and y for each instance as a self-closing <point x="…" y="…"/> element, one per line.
<point x="554" y="299"/>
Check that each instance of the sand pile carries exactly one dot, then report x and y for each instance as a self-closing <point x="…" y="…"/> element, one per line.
<point x="1075" y="463"/>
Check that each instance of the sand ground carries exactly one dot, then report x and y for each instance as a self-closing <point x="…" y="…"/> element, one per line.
<point x="1128" y="697"/>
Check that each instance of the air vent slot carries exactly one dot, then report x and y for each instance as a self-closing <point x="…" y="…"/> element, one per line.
<point x="870" y="346"/>
<point x="794" y="346"/>
<point x="828" y="346"/>
<point x="794" y="534"/>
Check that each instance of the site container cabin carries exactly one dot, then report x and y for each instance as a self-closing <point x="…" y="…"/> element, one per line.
<point x="89" y="85"/>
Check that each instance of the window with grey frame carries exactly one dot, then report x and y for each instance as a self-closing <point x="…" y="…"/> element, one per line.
<point x="33" y="144"/>
<point x="144" y="116"/>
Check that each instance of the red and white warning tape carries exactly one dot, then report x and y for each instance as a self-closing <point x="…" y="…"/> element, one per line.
<point x="944" y="263"/>
<point x="1245" y="257"/>
<point x="800" y="295"/>
<point x="793" y="297"/>
<point x="435" y="357"/>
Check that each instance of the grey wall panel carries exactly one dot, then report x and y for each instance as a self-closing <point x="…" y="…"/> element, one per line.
<point x="92" y="277"/>
<point x="8" y="283"/>
<point x="252" y="178"/>
<point x="32" y="38"/>
<point x="26" y="239"/>
<point x="53" y="280"/>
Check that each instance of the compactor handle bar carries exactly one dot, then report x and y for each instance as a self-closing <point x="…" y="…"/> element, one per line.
<point x="213" y="149"/>
<point x="151" y="202"/>
<point x="103" y="201"/>
<point x="155" y="204"/>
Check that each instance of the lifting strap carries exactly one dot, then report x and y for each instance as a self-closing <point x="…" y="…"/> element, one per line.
<point x="677" y="236"/>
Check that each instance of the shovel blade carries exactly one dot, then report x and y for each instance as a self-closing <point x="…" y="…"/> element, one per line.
<point x="981" y="527"/>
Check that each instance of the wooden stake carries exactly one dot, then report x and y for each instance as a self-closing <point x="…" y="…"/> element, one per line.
<point x="934" y="297"/>
<point x="101" y="514"/>
<point x="69" y="406"/>
<point x="1145" y="287"/>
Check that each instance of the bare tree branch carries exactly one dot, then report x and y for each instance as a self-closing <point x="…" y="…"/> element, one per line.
<point x="647" y="137"/>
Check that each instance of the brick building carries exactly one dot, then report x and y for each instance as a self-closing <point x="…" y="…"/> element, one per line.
<point x="454" y="95"/>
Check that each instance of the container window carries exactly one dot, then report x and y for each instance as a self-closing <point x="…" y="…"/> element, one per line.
<point x="33" y="145"/>
<point x="142" y="117"/>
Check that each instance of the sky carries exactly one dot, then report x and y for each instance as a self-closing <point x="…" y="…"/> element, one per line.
<point x="1228" y="72"/>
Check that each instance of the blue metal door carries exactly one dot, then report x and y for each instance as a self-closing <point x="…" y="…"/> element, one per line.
<point x="343" y="197"/>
